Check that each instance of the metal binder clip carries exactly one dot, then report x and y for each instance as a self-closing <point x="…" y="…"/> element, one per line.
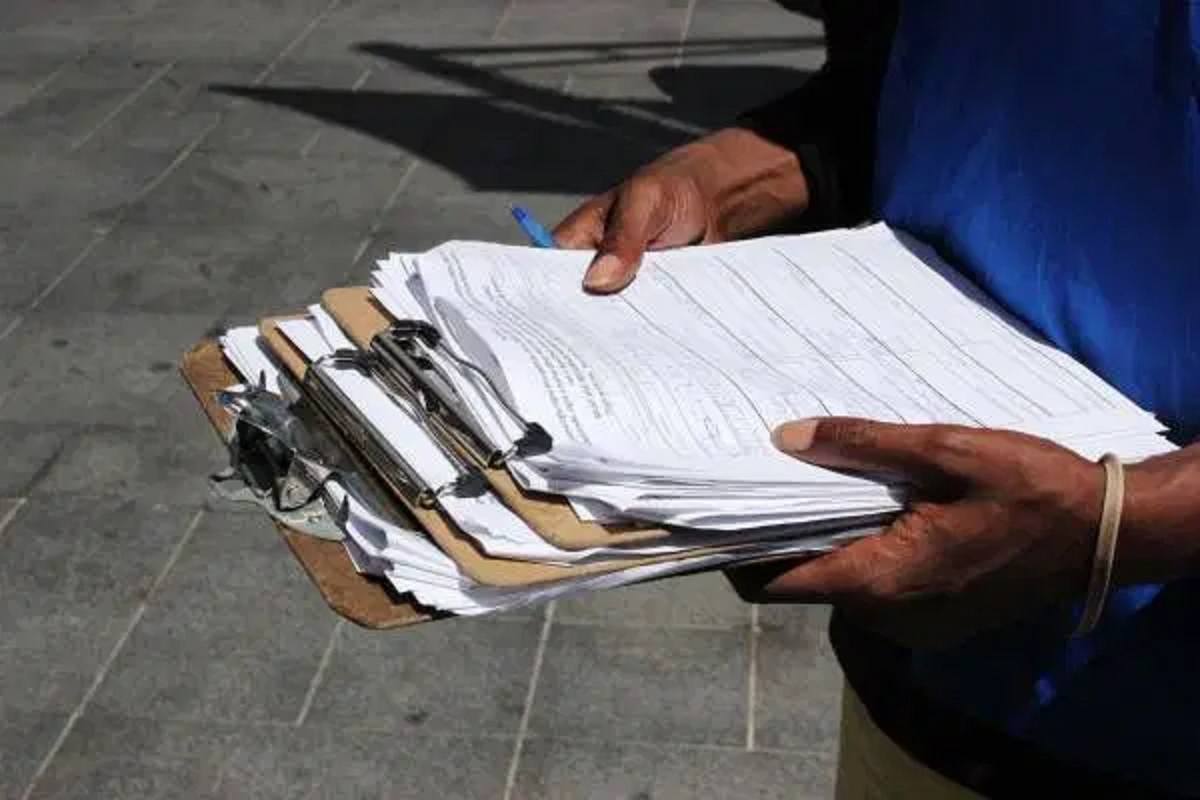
<point x="273" y="462"/>
<point x="407" y="345"/>
<point x="328" y="396"/>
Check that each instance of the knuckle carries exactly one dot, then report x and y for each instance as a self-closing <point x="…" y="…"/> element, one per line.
<point x="907" y="538"/>
<point x="950" y="442"/>
<point x="623" y="241"/>
<point x="889" y="577"/>
<point x="848" y="432"/>
<point x="644" y="186"/>
<point x="920" y="520"/>
<point x="583" y="225"/>
<point x="870" y="578"/>
<point x="881" y="589"/>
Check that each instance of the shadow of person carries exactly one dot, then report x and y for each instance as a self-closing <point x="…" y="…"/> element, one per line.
<point x="708" y="97"/>
<point x="503" y="134"/>
<point x="809" y="8"/>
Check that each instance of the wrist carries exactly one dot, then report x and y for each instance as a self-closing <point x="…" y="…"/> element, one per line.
<point x="1160" y="525"/>
<point x="750" y="183"/>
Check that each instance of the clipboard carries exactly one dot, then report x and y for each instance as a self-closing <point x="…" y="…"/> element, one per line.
<point x="363" y="600"/>
<point x="366" y="600"/>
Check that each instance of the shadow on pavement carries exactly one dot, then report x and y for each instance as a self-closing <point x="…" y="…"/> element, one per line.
<point x="499" y="132"/>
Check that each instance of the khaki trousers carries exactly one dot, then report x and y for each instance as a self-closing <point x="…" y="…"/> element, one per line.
<point x="873" y="767"/>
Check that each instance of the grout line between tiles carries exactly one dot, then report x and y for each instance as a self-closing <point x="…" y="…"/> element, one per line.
<point x="362" y="248"/>
<point x="295" y="42"/>
<point x="129" y="100"/>
<point x="180" y="157"/>
<point x="310" y="144"/>
<point x="680" y="745"/>
<point x="539" y="656"/>
<point x="319" y="676"/>
<point x="647" y="626"/>
<point x="501" y="21"/>
<point x="45" y="82"/>
<point x="11" y="514"/>
<point x="685" y="29"/>
<point x="381" y="216"/>
<point x="72" y="265"/>
<point x="361" y="80"/>
<point x="405" y="179"/>
<point x="12" y="326"/>
<point x="102" y="673"/>
<point x="752" y="678"/>
<point x="451" y="735"/>
<point x="307" y="149"/>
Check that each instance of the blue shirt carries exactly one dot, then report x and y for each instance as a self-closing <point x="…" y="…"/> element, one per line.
<point x="1052" y="150"/>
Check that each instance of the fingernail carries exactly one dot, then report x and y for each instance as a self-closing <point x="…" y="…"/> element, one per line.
<point x="604" y="274"/>
<point x="794" y="437"/>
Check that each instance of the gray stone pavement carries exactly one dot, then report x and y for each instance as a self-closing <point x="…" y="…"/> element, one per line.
<point x="169" y="166"/>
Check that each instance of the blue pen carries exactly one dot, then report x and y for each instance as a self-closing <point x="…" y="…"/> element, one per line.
<point x="533" y="229"/>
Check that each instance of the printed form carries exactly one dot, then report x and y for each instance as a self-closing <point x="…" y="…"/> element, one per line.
<point x="711" y="347"/>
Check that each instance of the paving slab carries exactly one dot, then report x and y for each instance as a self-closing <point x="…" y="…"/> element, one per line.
<point x="270" y="191"/>
<point x="29" y="452"/>
<point x="74" y="188"/>
<point x="95" y="368"/>
<point x="74" y="572"/>
<point x="798" y="698"/>
<point x="599" y="770"/>
<point x="236" y="633"/>
<point x="111" y="755"/>
<point x="25" y="739"/>
<point x="160" y="465"/>
<point x="107" y="755"/>
<point x="694" y="601"/>
<point x="179" y="108"/>
<point x="466" y="676"/>
<point x="36" y="255"/>
<point x="685" y="686"/>
<point x="237" y="270"/>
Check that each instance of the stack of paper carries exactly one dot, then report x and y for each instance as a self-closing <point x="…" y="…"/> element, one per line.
<point x="657" y="404"/>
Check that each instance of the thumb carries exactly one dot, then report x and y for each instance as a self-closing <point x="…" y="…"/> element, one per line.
<point x="635" y="219"/>
<point x="925" y="454"/>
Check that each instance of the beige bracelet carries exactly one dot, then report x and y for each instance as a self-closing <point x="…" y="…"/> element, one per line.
<point x="1106" y="544"/>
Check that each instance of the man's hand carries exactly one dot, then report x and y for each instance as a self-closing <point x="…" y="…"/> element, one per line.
<point x="728" y="185"/>
<point x="999" y="524"/>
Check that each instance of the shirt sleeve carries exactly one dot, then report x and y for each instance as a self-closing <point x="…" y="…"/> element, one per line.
<point x="829" y="121"/>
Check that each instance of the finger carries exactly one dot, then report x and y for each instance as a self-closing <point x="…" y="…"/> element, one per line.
<point x="929" y="455"/>
<point x="843" y="575"/>
<point x="583" y="228"/>
<point x="892" y="566"/>
<point x="638" y="214"/>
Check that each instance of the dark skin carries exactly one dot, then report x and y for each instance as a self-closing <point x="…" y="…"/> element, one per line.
<point x="999" y="524"/>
